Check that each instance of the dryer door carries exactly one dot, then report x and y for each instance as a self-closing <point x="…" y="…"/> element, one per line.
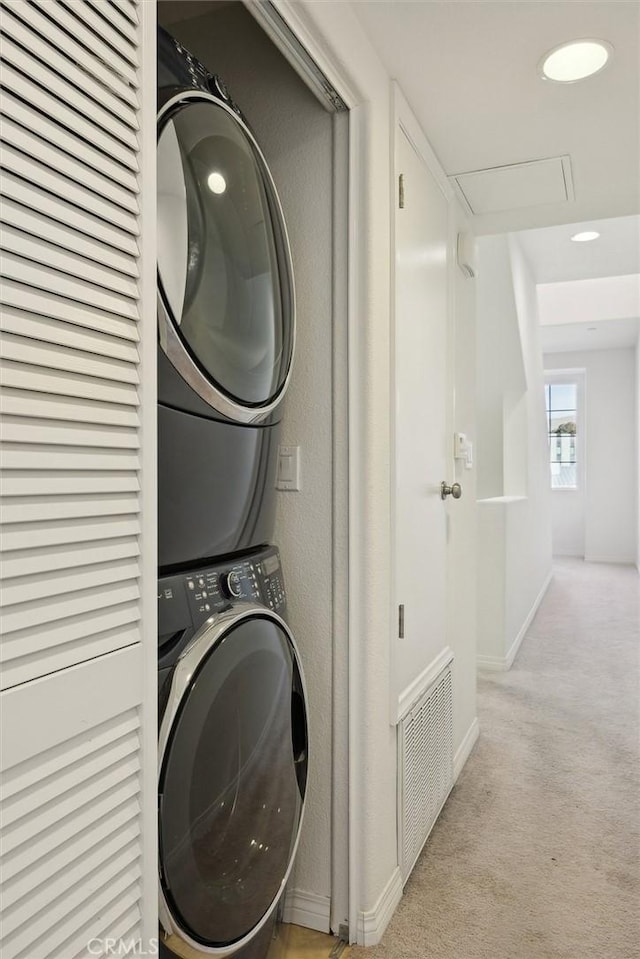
<point x="233" y="769"/>
<point x="225" y="285"/>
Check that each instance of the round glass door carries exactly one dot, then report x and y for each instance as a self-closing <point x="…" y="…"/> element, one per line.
<point x="232" y="784"/>
<point x="223" y="260"/>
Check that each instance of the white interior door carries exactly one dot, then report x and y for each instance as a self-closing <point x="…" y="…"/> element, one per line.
<point x="421" y="398"/>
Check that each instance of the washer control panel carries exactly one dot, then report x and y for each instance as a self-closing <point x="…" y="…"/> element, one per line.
<point x="188" y="599"/>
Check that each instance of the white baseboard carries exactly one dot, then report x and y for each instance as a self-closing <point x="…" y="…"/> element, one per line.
<point x="464" y="749"/>
<point x="372" y="924"/>
<point x="505" y="662"/>
<point x="307" y="909"/>
<point x="493" y="663"/>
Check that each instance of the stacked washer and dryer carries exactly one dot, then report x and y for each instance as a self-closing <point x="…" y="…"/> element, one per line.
<point x="232" y="706"/>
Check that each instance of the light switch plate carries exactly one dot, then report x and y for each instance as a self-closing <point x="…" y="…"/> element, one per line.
<point x="288" y="477"/>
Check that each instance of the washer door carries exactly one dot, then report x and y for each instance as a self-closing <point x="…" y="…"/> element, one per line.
<point x="233" y="754"/>
<point x="226" y="301"/>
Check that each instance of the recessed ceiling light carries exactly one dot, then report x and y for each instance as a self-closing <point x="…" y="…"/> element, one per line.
<point x="575" y="60"/>
<point x="585" y="237"/>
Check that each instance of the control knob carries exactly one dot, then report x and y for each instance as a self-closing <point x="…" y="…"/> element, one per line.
<point x="232" y="585"/>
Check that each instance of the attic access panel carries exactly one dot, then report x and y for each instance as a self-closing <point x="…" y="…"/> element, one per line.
<point x="516" y="186"/>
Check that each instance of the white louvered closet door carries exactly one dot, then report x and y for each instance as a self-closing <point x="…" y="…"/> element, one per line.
<point x="78" y="461"/>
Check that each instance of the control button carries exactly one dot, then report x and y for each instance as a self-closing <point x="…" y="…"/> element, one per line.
<point x="207" y="607"/>
<point x="232" y="585"/>
<point x="190" y="584"/>
<point x="200" y="581"/>
<point x="204" y="593"/>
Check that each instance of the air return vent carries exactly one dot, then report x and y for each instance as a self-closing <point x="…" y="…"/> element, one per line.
<point x="425" y="773"/>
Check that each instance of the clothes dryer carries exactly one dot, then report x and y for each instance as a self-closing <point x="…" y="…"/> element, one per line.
<point x="226" y="319"/>
<point x="232" y="755"/>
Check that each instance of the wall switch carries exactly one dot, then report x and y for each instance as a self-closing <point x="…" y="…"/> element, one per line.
<point x="463" y="449"/>
<point x="460" y="446"/>
<point x="288" y="477"/>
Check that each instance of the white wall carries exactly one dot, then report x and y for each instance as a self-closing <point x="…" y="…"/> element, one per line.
<point x="295" y="133"/>
<point x="461" y="556"/>
<point x="514" y="528"/>
<point x="611" y="483"/>
<point x="637" y="351"/>
<point x="500" y="374"/>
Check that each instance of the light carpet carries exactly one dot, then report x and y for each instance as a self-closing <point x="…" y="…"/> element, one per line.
<point x="536" y="853"/>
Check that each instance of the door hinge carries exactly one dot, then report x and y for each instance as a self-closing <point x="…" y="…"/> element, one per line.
<point x="401" y="191"/>
<point x="401" y="621"/>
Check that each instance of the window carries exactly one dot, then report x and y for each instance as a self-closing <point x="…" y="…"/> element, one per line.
<point x="562" y="410"/>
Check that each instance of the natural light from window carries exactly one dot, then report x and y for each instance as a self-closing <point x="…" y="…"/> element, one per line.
<point x="562" y="409"/>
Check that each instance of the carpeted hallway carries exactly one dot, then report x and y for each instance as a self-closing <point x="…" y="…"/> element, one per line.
<point x="537" y="852"/>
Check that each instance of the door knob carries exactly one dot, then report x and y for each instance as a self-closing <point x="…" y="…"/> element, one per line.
<point x="454" y="490"/>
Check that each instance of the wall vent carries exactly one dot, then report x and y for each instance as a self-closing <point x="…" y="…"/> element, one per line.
<point x="425" y="767"/>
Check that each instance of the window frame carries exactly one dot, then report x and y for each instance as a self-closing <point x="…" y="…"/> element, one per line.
<point x="577" y="378"/>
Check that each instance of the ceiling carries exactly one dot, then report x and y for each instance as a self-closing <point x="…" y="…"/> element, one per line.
<point x="553" y="257"/>
<point x="469" y="71"/>
<point x="577" y="337"/>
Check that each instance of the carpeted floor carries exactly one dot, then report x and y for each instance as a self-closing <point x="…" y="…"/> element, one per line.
<point x="537" y="852"/>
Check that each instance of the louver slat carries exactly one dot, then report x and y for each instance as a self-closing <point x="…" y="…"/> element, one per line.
<point x="26" y="271"/>
<point x="40" y="251"/>
<point x="70" y="116"/>
<point x="66" y="80"/>
<point x="127" y="8"/>
<point x="28" y="563"/>
<point x="116" y="56"/>
<point x="62" y="308"/>
<point x="51" y="156"/>
<point x="21" y="403"/>
<point x="53" y="357"/>
<point x="86" y="636"/>
<point x="78" y="863"/>
<point x="46" y="610"/>
<point x="52" y="181"/>
<point x="69" y="145"/>
<point x="58" y="211"/>
<point x="20" y="483"/>
<point x="22" y="457"/>
<point x="42" y="228"/>
<point x="102" y="27"/>
<point x="88" y="59"/>
<point x="116" y="18"/>
<point x="58" y="582"/>
<point x="51" y="331"/>
<point x="32" y="509"/>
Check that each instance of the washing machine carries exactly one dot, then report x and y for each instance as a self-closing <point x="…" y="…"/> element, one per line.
<point x="226" y="319"/>
<point x="232" y="755"/>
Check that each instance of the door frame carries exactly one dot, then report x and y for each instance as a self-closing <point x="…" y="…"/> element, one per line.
<point x="302" y="46"/>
